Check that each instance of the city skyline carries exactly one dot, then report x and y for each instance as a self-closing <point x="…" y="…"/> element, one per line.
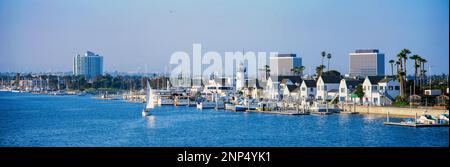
<point x="44" y="35"/>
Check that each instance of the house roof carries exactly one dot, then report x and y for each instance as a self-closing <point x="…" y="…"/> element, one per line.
<point x="280" y="78"/>
<point x="378" y="79"/>
<point x="331" y="79"/>
<point x="353" y="82"/>
<point x="310" y="83"/>
<point x="292" y="88"/>
<point x="386" y="79"/>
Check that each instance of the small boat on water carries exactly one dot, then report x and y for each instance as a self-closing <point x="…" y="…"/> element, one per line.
<point x="427" y="119"/>
<point x="149" y="101"/>
<point x="443" y="119"/>
<point x="240" y="108"/>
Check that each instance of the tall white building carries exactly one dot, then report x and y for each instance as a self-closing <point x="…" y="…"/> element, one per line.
<point x="89" y="65"/>
<point x="282" y="64"/>
<point x="368" y="62"/>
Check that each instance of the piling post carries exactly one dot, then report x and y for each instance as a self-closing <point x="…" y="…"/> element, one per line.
<point x="387" y="117"/>
<point x="415" y="118"/>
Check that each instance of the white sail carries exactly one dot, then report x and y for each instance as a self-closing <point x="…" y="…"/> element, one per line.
<point x="149" y="97"/>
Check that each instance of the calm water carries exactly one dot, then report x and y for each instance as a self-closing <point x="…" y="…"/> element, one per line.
<point x="44" y="120"/>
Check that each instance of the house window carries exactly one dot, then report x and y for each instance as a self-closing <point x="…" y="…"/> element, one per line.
<point x="303" y="89"/>
<point x="397" y="87"/>
<point x="325" y="87"/>
<point x="390" y="87"/>
<point x="311" y="89"/>
<point x="381" y="87"/>
<point x="374" y="88"/>
<point x="342" y="90"/>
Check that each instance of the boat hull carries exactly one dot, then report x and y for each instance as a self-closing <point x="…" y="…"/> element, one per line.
<point x="145" y="113"/>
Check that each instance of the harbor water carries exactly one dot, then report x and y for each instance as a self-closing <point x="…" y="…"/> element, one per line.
<point x="46" y="120"/>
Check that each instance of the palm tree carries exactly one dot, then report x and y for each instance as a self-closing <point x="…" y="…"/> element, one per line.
<point x="323" y="55"/>
<point x="397" y="67"/>
<point x="319" y="70"/>
<point x="302" y="68"/>
<point x="298" y="70"/>
<point x="415" y="66"/>
<point x="422" y="71"/>
<point x="392" y="66"/>
<point x="328" y="57"/>
<point x="402" y="57"/>
<point x="405" y="53"/>
<point x="266" y="70"/>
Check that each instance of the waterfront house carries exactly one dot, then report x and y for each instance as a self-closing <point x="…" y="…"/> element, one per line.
<point x="347" y="87"/>
<point x="253" y="89"/>
<point x="308" y="90"/>
<point x="275" y="85"/>
<point x="327" y="87"/>
<point x="289" y="89"/>
<point x="380" y="90"/>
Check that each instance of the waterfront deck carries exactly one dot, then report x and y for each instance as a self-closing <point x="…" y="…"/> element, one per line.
<point x="287" y="112"/>
<point x="416" y="125"/>
<point x="321" y="113"/>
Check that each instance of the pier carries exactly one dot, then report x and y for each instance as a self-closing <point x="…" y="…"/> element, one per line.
<point x="416" y="125"/>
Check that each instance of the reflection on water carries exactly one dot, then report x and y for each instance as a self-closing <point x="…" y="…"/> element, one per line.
<point x="343" y="119"/>
<point x="151" y="119"/>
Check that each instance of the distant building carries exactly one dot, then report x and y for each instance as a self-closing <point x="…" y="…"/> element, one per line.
<point x="89" y="65"/>
<point x="367" y="62"/>
<point x="282" y="64"/>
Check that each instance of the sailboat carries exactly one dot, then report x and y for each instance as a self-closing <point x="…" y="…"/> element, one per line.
<point x="149" y="101"/>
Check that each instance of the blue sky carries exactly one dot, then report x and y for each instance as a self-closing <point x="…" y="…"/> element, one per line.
<point x="44" y="35"/>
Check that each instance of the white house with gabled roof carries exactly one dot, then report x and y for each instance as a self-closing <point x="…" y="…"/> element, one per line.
<point x="347" y="87"/>
<point x="327" y="87"/>
<point x="380" y="90"/>
<point x="308" y="90"/>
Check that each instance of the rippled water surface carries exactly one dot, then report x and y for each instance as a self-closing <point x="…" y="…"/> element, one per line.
<point x="44" y="120"/>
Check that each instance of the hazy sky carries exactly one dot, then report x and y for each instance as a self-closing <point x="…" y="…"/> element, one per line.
<point x="44" y="35"/>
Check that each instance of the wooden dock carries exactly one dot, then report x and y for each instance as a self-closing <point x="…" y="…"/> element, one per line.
<point x="279" y="112"/>
<point x="321" y="113"/>
<point x="348" y="112"/>
<point x="416" y="125"/>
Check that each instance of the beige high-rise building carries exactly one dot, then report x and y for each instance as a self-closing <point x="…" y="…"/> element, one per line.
<point x="282" y="64"/>
<point x="367" y="62"/>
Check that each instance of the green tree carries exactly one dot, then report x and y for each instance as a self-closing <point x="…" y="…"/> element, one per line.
<point x="416" y="59"/>
<point x="298" y="70"/>
<point x="402" y="57"/>
<point x="328" y="57"/>
<point x="323" y="54"/>
<point x="359" y="92"/>
<point x="319" y="70"/>
<point x="422" y="72"/>
<point x="392" y="66"/>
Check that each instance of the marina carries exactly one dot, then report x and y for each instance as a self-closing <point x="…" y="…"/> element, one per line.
<point x="59" y="121"/>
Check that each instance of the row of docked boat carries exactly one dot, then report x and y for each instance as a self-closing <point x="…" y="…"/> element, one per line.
<point x="424" y="120"/>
